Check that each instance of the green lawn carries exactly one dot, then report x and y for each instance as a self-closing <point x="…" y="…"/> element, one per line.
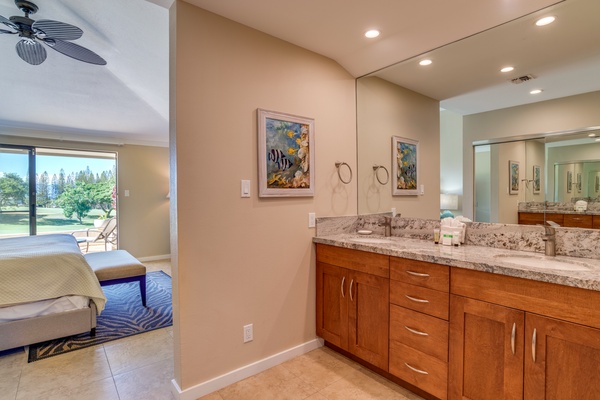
<point x="15" y="221"/>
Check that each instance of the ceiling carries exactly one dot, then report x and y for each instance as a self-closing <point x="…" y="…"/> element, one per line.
<point x="126" y="101"/>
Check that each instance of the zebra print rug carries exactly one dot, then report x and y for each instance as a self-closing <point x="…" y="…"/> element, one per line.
<point x="123" y="316"/>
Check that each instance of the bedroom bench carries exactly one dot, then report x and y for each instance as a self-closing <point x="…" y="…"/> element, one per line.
<point x="118" y="266"/>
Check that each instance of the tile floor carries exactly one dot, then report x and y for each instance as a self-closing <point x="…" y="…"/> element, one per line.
<point x="141" y="368"/>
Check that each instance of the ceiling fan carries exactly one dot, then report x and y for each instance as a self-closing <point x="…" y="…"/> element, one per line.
<point x="53" y="34"/>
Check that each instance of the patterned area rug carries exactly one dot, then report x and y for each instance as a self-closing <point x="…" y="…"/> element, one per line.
<point x="123" y="316"/>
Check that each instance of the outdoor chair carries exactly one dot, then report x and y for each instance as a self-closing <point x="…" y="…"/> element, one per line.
<point x="106" y="233"/>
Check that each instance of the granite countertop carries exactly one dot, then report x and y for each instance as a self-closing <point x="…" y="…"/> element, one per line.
<point x="549" y="211"/>
<point x="583" y="273"/>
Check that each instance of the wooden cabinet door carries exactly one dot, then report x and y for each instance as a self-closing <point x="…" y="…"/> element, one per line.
<point x="368" y="318"/>
<point x="332" y="306"/>
<point x="486" y="351"/>
<point x="567" y="360"/>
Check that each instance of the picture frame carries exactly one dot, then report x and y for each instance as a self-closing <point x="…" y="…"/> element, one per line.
<point x="286" y="155"/>
<point x="537" y="179"/>
<point x="513" y="177"/>
<point x="597" y="184"/>
<point x="569" y="181"/>
<point x="578" y="185"/>
<point x="405" y="166"/>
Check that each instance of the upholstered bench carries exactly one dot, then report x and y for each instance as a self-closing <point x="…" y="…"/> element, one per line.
<point x="118" y="266"/>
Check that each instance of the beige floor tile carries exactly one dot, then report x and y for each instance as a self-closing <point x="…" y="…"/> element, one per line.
<point x="320" y="367"/>
<point x="40" y="379"/>
<point x="277" y="383"/>
<point x="151" y="382"/>
<point x="99" y="390"/>
<point x="212" y="396"/>
<point x="317" y="396"/>
<point x="10" y="373"/>
<point x="160" y="265"/>
<point x="366" y="385"/>
<point x="139" y="350"/>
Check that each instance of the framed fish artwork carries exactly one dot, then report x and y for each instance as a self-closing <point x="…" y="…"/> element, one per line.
<point x="405" y="166"/>
<point x="285" y="155"/>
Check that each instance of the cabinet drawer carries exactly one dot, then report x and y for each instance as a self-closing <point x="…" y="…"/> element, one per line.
<point x="428" y="301"/>
<point x="427" y="372"/>
<point x="420" y="331"/>
<point x="420" y="273"/>
<point x="356" y="260"/>
<point x="578" y="221"/>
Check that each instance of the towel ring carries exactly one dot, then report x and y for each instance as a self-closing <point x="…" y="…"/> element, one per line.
<point x="338" y="165"/>
<point x="376" y="168"/>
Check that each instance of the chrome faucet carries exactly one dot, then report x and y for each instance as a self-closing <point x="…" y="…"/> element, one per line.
<point x="550" y="238"/>
<point x="387" y="224"/>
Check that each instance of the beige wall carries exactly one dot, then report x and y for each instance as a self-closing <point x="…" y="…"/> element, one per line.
<point x="563" y="114"/>
<point x="386" y="110"/>
<point x="247" y="260"/>
<point x="144" y="171"/>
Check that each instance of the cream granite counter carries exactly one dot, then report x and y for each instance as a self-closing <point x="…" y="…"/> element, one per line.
<point x="479" y="258"/>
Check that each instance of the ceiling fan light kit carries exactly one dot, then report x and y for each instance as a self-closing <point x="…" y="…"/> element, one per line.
<point x="54" y="34"/>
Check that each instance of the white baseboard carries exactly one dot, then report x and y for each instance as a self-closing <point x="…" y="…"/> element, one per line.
<point x="155" y="258"/>
<point x="237" y="375"/>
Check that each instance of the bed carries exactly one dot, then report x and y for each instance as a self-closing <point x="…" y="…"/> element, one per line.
<point x="44" y="268"/>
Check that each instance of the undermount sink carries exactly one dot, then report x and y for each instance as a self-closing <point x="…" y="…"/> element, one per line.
<point x="543" y="262"/>
<point x="368" y="240"/>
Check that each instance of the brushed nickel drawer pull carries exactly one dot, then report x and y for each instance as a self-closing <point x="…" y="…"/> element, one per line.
<point x="534" y="344"/>
<point x="419" y="274"/>
<point x="416" y="299"/>
<point x="351" y="283"/>
<point x="417" y="370"/>
<point x="342" y="286"/>
<point x="416" y="332"/>
<point x="513" y="337"/>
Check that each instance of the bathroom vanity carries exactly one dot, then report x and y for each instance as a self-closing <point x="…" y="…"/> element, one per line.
<point x="467" y="322"/>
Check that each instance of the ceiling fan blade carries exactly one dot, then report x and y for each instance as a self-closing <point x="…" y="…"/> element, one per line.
<point x="8" y="22"/>
<point x="74" y="51"/>
<point x="9" y="32"/>
<point x="31" y="51"/>
<point x="57" y="29"/>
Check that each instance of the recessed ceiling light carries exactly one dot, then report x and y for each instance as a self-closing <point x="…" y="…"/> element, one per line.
<point x="545" y="21"/>
<point x="536" y="91"/>
<point x="597" y="139"/>
<point x="507" y="69"/>
<point x="592" y="135"/>
<point x="425" y="62"/>
<point x="373" y="33"/>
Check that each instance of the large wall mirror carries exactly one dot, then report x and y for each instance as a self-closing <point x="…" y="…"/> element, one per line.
<point x="451" y="106"/>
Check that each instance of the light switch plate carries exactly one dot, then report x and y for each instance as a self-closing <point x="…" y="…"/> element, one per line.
<point x="311" y="220"/>
<point x="422" y="189"/>
<point x="245" y="188"/>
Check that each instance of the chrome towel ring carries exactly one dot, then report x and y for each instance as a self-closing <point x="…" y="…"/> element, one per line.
<point x="376" y="168"/>
<point x="338" y="165"/>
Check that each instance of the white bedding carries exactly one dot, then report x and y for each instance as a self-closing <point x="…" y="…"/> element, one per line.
<point x="44" y="307"/>
<point x="45" y="267"/>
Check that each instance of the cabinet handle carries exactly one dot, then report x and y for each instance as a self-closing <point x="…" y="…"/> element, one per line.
<point x="416" y="332"/>
<point x="416" y="299"/>
<point x="351" y="283"/>
<point x="342" y="287"/>
<point x="513" y="337"/>
<point x="533" y="344"/>
<point x="417" y="370"/>
<point x="419" y="274"/>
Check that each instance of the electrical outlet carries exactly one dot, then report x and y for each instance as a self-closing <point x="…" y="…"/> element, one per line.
<point x="248" y="334"/>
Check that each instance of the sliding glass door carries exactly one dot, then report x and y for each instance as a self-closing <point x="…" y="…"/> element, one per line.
<point x="17" y="191"/>
<point x="45" y="190"/>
